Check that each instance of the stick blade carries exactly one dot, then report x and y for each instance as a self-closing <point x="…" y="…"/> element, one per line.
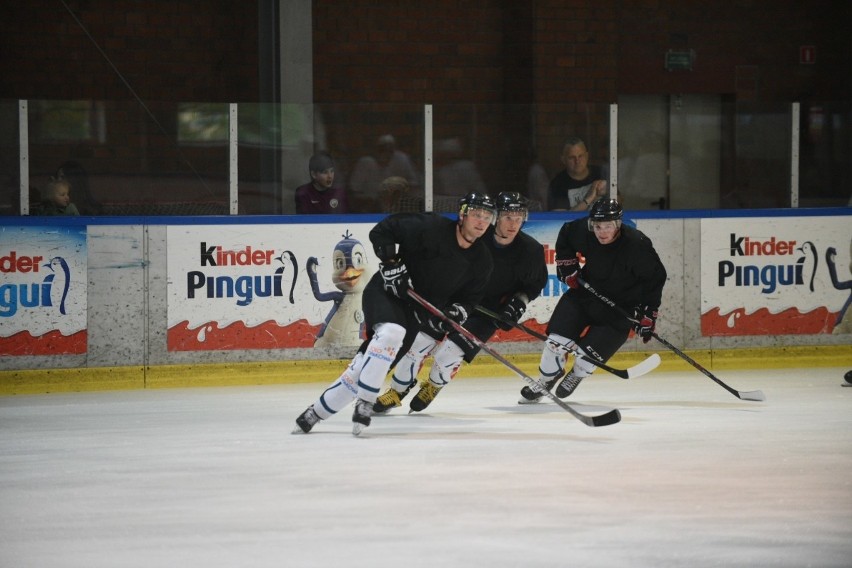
<point x="644" y="367"/>
<point x="752" y="395"/>
<point x="611" y="417"/>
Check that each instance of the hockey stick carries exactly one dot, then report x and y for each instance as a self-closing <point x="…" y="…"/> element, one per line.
<point x="742" y="395"/>
<point x="609" y="417"/>
<point x="642" y="368"/>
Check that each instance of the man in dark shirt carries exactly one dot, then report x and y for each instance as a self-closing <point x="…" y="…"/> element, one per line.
<point x="519" y="275"/>
<point x="579" y="185"/>
<point x="320" y="195"/>
<point x="445" y="261"/>
<point x="621" y="263"/>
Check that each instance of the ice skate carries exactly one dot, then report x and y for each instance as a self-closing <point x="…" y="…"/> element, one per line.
<point x="361" y="416"/>
<point x="533" y="394"/>
<point x="424" y="397"/>
<point x="306" y="421"/>
<point x="568" y="385"/>
<point x="391" y="399"/>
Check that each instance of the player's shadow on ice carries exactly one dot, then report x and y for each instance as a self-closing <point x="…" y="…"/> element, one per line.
<point x="545" y="407"/>
<point x="454" y="426"/>
<point x="751" y="406"/>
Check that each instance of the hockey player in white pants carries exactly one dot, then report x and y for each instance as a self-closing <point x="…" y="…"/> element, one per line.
<point x="519" y="275"/>
<point x="443" y="260"/>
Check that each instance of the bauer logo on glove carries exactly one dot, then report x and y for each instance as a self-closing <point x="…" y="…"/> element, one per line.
<point x="396" y="279"/>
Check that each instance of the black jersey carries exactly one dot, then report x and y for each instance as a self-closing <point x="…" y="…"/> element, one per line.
<point x="628" y="270"/>
<point x="440" y="270"/>
<point x="518" y="267"/>
<point x="561" y="186"/>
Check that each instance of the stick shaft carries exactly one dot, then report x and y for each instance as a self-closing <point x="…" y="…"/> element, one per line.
<point x="610" y="417"/>
<point x="617" y="372"/>
<point x="750" y="395"/>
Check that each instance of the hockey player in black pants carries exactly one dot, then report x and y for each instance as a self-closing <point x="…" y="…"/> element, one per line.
<point x="445" y="262"/>
<point x="619" y="262"/>
<point x="519" y="275"/>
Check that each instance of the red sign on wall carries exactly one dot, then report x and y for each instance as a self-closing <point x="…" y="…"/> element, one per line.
<point x="807" y="54"/>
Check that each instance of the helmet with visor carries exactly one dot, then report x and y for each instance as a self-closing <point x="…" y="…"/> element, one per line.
<point x="512" y="202"/>
<point x="478" y="203"/>
<point x="605" y="213"/>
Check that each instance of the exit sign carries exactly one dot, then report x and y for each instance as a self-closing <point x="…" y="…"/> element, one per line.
<point x="680" y="59"/>
<point x="807" y="54"/>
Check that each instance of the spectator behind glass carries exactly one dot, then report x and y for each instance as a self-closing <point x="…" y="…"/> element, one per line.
<point x="56" y="199"/>
<point x="370" y="172"/>
<point x="579" y="185"/>
<point x="455" y="175"/>
<point x="391" y="193"/>
<point x="74" y="173"/>
<point x="320" y="196"/>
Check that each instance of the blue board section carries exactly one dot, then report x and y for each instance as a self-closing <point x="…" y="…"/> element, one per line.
<point x="373" y="218"/>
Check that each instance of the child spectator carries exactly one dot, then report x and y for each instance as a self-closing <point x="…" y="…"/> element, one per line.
<point x="76" y="175"/>
<point x="57" y="199"/>
<point x="320" y="195"/>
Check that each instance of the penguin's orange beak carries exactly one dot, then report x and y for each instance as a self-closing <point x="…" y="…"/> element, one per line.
<point x="349" y="278"/>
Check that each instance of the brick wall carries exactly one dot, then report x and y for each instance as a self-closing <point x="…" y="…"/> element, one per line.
<point x="180" y="51"/>
<point x="118" y="52"/>
<point x="567" y="60"/>
<point x="503" y="75"/>
<point x="456" y="52"/>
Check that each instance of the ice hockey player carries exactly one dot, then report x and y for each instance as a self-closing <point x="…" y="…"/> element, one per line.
<point x="519" y="275"/>
<point x="445" y="261"/>
<point x="620" y="263"/>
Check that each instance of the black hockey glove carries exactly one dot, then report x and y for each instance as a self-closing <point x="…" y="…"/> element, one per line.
<point x="396" y="279"/>
<point x="567" y="270"/>
<point x="512" y="311"/>
<point x="646" y="322"/>
<point x="455" y="312"/>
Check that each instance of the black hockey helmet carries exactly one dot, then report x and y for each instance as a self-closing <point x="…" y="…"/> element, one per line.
<point x="477" y="200"/>
<point x="514" y="202"/>
<point x="606" y="209"/>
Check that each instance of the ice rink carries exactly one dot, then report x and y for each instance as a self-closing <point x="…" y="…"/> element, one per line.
<point x="690" y="477"/>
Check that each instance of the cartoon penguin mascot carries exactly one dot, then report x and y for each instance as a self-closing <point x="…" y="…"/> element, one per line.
<point x="843" y="324"/>
<point x="59" y="281"/>
<point x="342" y="325"/>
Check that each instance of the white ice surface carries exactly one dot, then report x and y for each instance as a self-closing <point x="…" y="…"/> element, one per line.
<point x="691" y="476"/>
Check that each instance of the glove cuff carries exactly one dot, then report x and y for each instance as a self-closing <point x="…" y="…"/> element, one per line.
<point x="387" y="253"/>
<point x="645" y="311"/>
